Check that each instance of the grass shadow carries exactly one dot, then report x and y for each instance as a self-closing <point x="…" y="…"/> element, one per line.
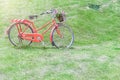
<point x="116" y="48"/>
<point x="42" y="47"/>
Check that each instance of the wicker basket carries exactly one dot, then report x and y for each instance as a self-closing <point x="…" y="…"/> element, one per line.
<point x="60" y="17"/>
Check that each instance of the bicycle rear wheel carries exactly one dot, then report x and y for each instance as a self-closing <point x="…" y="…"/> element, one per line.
<point x="62" y="36"/>
<point x="15" y="30"/>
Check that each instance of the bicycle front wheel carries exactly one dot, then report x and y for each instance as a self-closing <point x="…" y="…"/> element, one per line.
<point x="15" y="30"/>
<point x="62" y="36"/>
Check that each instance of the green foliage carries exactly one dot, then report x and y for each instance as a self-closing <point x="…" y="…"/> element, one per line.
<point x="94" y="55"/>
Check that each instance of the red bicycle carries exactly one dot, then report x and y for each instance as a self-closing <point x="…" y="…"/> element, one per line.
<point x="24" y="32"/>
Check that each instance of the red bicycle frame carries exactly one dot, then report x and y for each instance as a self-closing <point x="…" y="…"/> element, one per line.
<point x="35" y="36"/>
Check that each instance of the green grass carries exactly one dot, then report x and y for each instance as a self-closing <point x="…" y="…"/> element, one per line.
<point x="93" y="56"/>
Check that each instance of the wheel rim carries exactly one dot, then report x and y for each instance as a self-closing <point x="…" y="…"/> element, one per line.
<point x="14" y="37"/>
<point x="65" y="39"/>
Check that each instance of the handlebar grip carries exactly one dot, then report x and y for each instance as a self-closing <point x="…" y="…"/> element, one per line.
<point x="42" y="13"/>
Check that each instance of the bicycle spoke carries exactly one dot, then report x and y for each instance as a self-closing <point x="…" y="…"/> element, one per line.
<point x="14" y="32"/>
<point x="63" y="37"/>
<point x="25" y="29"/>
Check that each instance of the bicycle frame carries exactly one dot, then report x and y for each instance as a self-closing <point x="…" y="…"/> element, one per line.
<point x="35" y="36"/>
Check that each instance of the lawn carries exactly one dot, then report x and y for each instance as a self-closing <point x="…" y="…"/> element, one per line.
<point x="95" y="54"/>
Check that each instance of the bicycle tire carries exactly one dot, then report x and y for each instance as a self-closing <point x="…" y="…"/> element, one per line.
<point x="67" y="36"/>
<point x="13" y="34"/>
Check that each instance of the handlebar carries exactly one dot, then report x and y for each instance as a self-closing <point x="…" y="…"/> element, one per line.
<point x="53" y="11"/>
<point x="47" y="12"/>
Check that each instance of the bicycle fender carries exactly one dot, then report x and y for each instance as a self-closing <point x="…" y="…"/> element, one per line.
<point x="22" y="21"/>
<point x="51" y="36"/>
